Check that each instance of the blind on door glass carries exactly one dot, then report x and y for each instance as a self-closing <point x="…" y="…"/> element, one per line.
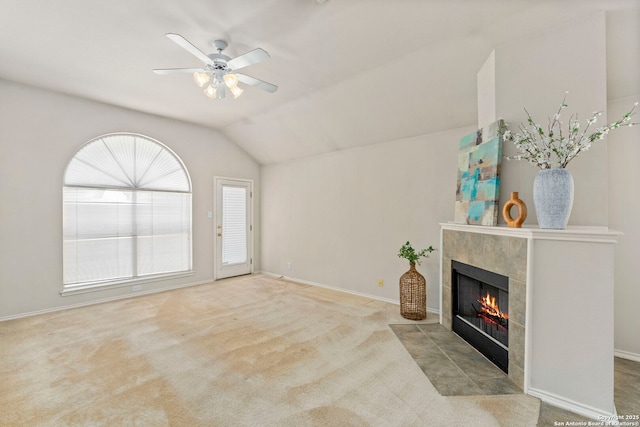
<point x="234" y="225"/>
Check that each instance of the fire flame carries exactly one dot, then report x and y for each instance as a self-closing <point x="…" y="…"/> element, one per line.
<point x="489" y="306"/>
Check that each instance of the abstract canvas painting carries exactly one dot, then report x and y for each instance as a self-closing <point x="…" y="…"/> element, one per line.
<point x="479" y="159"/>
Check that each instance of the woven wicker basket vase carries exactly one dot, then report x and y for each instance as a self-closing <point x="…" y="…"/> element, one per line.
<point x="413" y="295"/>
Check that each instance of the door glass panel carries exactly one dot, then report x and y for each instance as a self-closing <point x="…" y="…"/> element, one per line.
<point x="234" y="225"/>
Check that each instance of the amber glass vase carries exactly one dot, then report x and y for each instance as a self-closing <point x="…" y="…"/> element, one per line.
<point x="413" y="294"/>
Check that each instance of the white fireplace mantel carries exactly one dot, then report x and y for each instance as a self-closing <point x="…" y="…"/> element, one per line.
<point x="571" y="233"/>
<point x="568" y="343"/>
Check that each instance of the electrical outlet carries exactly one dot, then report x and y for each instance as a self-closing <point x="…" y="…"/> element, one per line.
<point x="380" y="282"/>
<point x="289" y="265"/>
<point x="136" y="288"/>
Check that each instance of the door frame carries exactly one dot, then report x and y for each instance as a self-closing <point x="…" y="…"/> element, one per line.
<point x="217" y="257"/>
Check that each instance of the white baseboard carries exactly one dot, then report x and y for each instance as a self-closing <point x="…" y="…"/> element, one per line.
<point x="346" y="291"/>
<point x="570" y="405"/>
<point x="102" y="300"/>
<point x="186" y="285"/>
<point x="627" y="355"/>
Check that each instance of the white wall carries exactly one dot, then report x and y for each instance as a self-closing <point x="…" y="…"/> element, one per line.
<point x="486" y="83"/>
<point x="623" y="69"/>
<point x="582" y="57"/>
<point x="341" y="218"/>
<point x="624" y="212"/>
<point x="533" y="73"/>
<point x="367" y="199"/>
<point x="39" y="133"/>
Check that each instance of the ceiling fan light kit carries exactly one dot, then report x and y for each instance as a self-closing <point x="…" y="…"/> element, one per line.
<point x="219" y="71"/>
<point x="201" y="79"/>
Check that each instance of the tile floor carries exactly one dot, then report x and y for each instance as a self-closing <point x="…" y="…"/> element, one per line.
<point x="457" y="369"/>
<point x="453" y="366"/>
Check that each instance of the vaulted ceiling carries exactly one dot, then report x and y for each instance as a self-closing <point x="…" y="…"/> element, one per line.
<point x="350" y="72"/>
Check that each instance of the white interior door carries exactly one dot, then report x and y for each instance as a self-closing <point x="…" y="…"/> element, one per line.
<point x="233" y="227"/>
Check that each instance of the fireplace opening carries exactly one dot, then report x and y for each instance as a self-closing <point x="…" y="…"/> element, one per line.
<point x="480" y="311"/>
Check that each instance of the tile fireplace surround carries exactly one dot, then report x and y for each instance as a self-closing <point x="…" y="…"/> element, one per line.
<point x="560" y="306"/>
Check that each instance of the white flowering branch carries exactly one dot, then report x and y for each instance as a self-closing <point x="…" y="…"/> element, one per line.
<point x="553" y="148"/>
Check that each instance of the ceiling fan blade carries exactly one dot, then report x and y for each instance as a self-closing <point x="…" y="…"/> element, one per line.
<point x="178" y="70"/>
<point x="260" y="84"/>
<point x="252" y="57"/>
<point x="185" y="44"/>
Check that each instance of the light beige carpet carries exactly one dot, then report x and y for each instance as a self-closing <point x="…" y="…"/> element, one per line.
<point x="250" y="351"/>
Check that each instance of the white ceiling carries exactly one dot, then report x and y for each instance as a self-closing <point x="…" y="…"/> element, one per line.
<point x="350" y="72"/>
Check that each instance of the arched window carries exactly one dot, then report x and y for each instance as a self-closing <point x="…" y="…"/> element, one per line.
<point x="126" y="212"/>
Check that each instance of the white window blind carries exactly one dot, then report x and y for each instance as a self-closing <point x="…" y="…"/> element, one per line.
<point x="234" y="225"/>
<point x="126" y="212"/>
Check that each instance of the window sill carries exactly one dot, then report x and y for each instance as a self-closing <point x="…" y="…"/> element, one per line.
<point x="95" y="287"/>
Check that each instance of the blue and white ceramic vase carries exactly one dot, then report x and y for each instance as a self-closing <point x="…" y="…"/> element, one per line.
<point x="553" y="198"/>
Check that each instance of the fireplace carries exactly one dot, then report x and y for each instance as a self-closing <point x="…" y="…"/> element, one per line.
<point x="540" y="285"/>
<point x="480" y="311"/>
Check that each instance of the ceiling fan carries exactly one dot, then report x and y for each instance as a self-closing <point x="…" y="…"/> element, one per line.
<point x="219" y="71"/>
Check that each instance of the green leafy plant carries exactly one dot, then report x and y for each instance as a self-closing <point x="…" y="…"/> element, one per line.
<point x="557" y="145"/>
<point x="407" y="252"/>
